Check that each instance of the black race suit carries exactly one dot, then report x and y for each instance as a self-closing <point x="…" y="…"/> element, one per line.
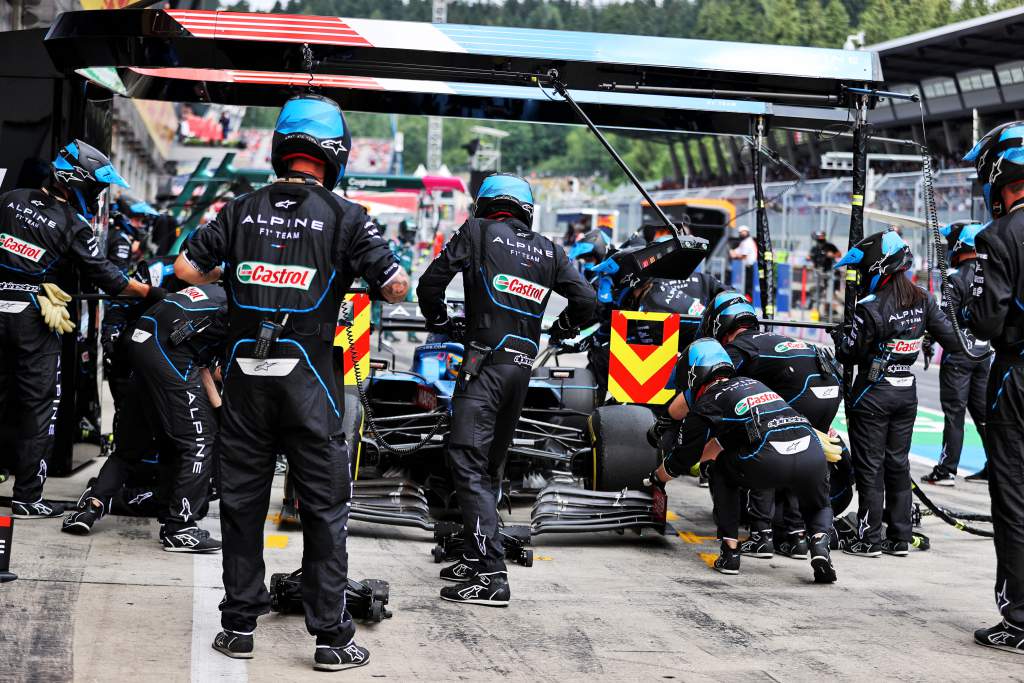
<point x="116" y="316"/>
<point x="165" y="408"/>
<point x="508" y="274"/>
<point x="790" y="368"/>
<point x="995" y="311"/>
<point x="291" y="251"/>
<point x="38" y="235"/>
<point x="882" y="406"/>
<point x="963" y="378"/>
<point x="781" y="452"/>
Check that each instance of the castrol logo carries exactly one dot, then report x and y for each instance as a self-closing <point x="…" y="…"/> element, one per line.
<point x="517" y="286"/>
<point x="271" y="275"/>
<point x="791" y="346"/>
<point x="905" y="345"/>
<point x="194" y="294"/>
<point x="744" y="405"/>
<point x="14" y="245"/>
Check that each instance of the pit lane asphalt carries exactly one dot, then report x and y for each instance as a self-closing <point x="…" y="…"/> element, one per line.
<point x="114" y="606"/>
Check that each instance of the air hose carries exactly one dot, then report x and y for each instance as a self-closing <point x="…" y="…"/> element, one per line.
<point x="947" y="515"/>
<point x="442" y="419"/>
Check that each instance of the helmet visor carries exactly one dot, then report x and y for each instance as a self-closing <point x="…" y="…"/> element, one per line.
<point x="314" y="117"/>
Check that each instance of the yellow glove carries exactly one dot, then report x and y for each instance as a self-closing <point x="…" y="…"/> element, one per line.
<point x="56" y="295"/>
<point x="832" y="446"/>
<point x="56" y="318"/>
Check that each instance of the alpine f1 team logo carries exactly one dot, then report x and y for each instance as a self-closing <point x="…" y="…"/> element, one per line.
<point x="271" y="275"/>
<point x="791" y="346"/>
<point x="904" y="345"/>
<point x="744" y="405"/>
<point x="33" y="252"/>
<point x="517" y="286"/>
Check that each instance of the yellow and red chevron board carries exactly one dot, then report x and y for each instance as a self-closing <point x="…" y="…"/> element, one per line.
<point x="360" y="304"/>
<point x="639" y="373"/>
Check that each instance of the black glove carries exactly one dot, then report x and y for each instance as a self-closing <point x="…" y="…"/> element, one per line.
<point x="658" y="429"/>
<point x="652" y="479"/>
<point x="155" y="294"/>
<point x="452" y="328"/>
<point x="561" y="329"/>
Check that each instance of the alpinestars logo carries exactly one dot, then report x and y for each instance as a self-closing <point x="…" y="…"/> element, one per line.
<point x="354" y="653"/>
<point x="744" y="405"/>
<point x="285" y="204"/>
<point x="271" y="275"/>
<point x="33" y="252"/>
<point x="334" y="146"/>
<point x="186" y="509"/>
<point x="517" y="286"/>
<point x="72" y="175"/>
<point x="471" y="592"/>
<point x="36" y="202"/>
<point x="1003" y="638"/>
<point x="481" y="538"/>
<point x="187" y="539"/>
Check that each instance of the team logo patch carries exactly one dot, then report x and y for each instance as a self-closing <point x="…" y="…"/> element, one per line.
<point x="904" y="345"/>
<point x="33" y="252"/>
<point x="791" y="346"/>
<point x="268" y="367"/>
<point x="271" y="275"/>
<point x="826" y="392"/>
<point x="696" y="308"/>
<point x="139" y="336"/>
<point x="743" y="406"/>
<point x="12" y="306"/>
<point x="517" y="286"/>
<point x="194" y="294"/>
<point x="901" y="381"/>
<point x="790" y="447"/>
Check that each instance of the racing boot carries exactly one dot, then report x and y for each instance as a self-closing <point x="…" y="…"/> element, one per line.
<point x="79" y="521"/>
<point x="460" y="572"/>
<point x="939" y="477"/>
<point x="980" y="477"/>
<point x="489" y="589"/>
<point x="234" y="644"/>
<point x="340" y="657"/>
<point x="862" y="548"/>
<point x="191" y="539"/>
<point x="896" y="548"/>
<point x="821" y="559"/>
<point x="41" y="509"/>
<point x="728" y="561"/>
<point x="793" y="545"/>
<point x="759" y="545"/>
<point x="1002" y="636"/>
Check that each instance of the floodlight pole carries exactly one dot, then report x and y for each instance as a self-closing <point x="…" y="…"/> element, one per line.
<point x="861" y="133"/>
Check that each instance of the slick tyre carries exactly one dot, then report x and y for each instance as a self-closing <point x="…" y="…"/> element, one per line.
<point x="622" y="456"/>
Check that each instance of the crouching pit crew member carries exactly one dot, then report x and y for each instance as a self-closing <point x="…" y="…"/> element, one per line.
<point x="808" y="381"/>
<point x="508" y="273"/>
<point x="746" y="436"/>
<point x="963" y="377"/>
<point x="884" y="340"/>
<point x="171" y="396"/>
<point x="995" y="311"/>
<point x="42" y="229"/>
<point x="292" y="249"/>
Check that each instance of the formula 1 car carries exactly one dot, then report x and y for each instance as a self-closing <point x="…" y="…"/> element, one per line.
<point x="576" y="460"/>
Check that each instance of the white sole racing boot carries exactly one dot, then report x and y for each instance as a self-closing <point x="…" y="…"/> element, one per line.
<point x="758" y="545"/>
<point x="234" y="644"/>
<point x="489" y="589"/>
<point x="460" y="572"/>
<point x="1002" y="636"/>
<point x="189" y="540"/>
<point x="821" y="560"/>
<point x="41" y="509"/>
<point x="340" y="657"/>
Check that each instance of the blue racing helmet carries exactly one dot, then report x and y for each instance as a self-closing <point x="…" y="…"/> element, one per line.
<point x="505" y="193"/>
<point x="728" y="311"/>
<point x="877" y="257"/>
<point x="313" y="127"/>
<point x="82" y="172"/>
<point x="592" y="247"/>
<point x="702" y="361"/>
<point x="999" y="159"/>
<point x="960" y="236"/>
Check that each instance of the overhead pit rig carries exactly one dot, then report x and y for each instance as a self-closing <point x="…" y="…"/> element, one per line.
<point x="484" y="72"/>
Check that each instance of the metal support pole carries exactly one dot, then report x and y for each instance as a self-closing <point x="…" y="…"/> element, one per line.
<point x="861" y="133"/>
<point x="765" y="255"/>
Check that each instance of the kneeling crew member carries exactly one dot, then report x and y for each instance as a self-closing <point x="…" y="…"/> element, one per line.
<point x="761" y="444"/>
<point x="171" y="395"/>
<point x="292" y="249"/>
<point x="508" y="273"/>
<point x="995" y="311"/>
<point x="963" y="377"/>
<point x="884" y="341"/>
<point x="41" y="228"/>
<point x="806" y="381"/>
